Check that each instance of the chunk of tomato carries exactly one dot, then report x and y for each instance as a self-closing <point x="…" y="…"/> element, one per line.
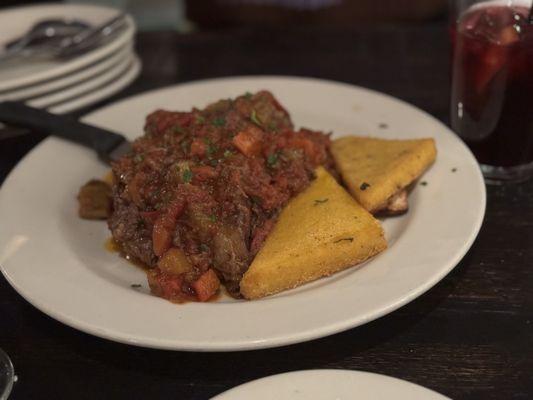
<point x="198" y="148"/>
<point x="164" y="227"/>
<point x="249" y="141"/>
<point x="206" y="285"/>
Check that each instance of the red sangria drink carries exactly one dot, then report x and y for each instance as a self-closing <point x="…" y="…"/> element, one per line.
<point x="492" y="86"/>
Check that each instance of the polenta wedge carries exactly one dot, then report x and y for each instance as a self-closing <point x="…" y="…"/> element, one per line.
<point x="376" y="171"/>
<point x="320" y="231"/>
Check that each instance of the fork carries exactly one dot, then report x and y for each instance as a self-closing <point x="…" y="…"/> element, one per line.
<point x="70" y="46"/>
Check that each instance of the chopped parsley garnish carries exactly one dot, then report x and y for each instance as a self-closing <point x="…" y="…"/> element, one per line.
<point x="204" y="247"/>
<point x="423" y="183"/>
<point x="200" y="119"/>
<point x="272" y="159"/>
<point x="178" y="129"/>
<point x="219" y="121"/>
<point x="211" y="149"/>
<point x="364" y="186"/>
<point x="136" y="285"/>
<point x="213" y="218"/>
<point x="227" y="153"/>
<point x="320" y="201"/>
<point x="213" y="162"/>
<point x="187" y="176"/>
<point x="347" y="239"/>
<point x="255" y="119"/>
<point x="256" y="200"/>
<point x="248" y="95"/>
<point x="138" y="158"/>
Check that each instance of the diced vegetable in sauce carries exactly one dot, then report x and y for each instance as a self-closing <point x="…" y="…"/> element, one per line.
<point x="94" y="200"/>
<point x="201" y="190"/>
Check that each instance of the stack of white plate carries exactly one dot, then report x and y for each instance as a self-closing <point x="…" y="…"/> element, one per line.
<point x="65" y="86"/>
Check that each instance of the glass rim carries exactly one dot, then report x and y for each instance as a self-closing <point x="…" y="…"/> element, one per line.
<point x="5" y="361"/>
<point x="496" y="175"/>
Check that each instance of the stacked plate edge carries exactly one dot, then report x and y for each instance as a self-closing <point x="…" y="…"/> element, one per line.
<point x="65" y="86"/>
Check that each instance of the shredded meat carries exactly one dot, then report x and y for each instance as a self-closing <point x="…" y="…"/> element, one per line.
<point x="210" y="183"/>
<point x="396" y="205"/>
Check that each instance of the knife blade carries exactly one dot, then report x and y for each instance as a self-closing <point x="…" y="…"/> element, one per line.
<point x="109" y="146"/>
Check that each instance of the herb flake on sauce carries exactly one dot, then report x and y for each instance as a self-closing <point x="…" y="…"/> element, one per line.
<point x="187" y="176"/>
<point x="211" y="149"/>
<point x="255" y="119"/>
<point x="272" y="159"/>
<point x="320" y="201"/>
<point x="227" y="153"/>
<point x="204" y="247"/>
<point x="347" y="239"/>
<point x="219" y="122"/>
<point x="364" y="186"/>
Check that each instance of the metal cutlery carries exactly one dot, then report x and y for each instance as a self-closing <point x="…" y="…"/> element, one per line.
<point x="46" y="31"/>
<point x="68" y="46"/>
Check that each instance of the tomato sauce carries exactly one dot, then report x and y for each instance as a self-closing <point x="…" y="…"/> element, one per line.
<point x="210" y="183"/>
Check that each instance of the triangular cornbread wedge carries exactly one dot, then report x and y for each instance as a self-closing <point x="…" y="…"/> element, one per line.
<point x="321" y="231"/>
<point x="375" y="170"/>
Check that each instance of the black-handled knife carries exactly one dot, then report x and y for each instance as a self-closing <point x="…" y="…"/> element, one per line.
<point x="108" y="145"/>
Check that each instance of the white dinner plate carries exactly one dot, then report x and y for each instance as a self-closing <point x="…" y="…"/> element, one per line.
<point x="87" y="86"/>
<point x="14" y="22"/>
<point x="105" y="90"/>
<point x="73" y="79"/>
<point x="329" y="384"/>
<point x="59" y="264"/>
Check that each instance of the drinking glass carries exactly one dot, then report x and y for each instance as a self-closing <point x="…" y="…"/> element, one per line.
<point x="7" y="375"/>
<point x="492" y="85"/>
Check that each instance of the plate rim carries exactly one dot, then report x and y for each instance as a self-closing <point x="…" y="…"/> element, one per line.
<point x="239" y="344"/>
<point x="62" y="82"/>
<point x="71" y="92"/>
<point x="101" y="93"/>
<point x="329" y="371"/>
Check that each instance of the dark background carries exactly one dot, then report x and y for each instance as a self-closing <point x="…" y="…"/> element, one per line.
<point x="220" y="14"/>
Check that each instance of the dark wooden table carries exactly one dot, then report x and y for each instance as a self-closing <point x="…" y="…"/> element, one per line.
<point x="470" y="337"/>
